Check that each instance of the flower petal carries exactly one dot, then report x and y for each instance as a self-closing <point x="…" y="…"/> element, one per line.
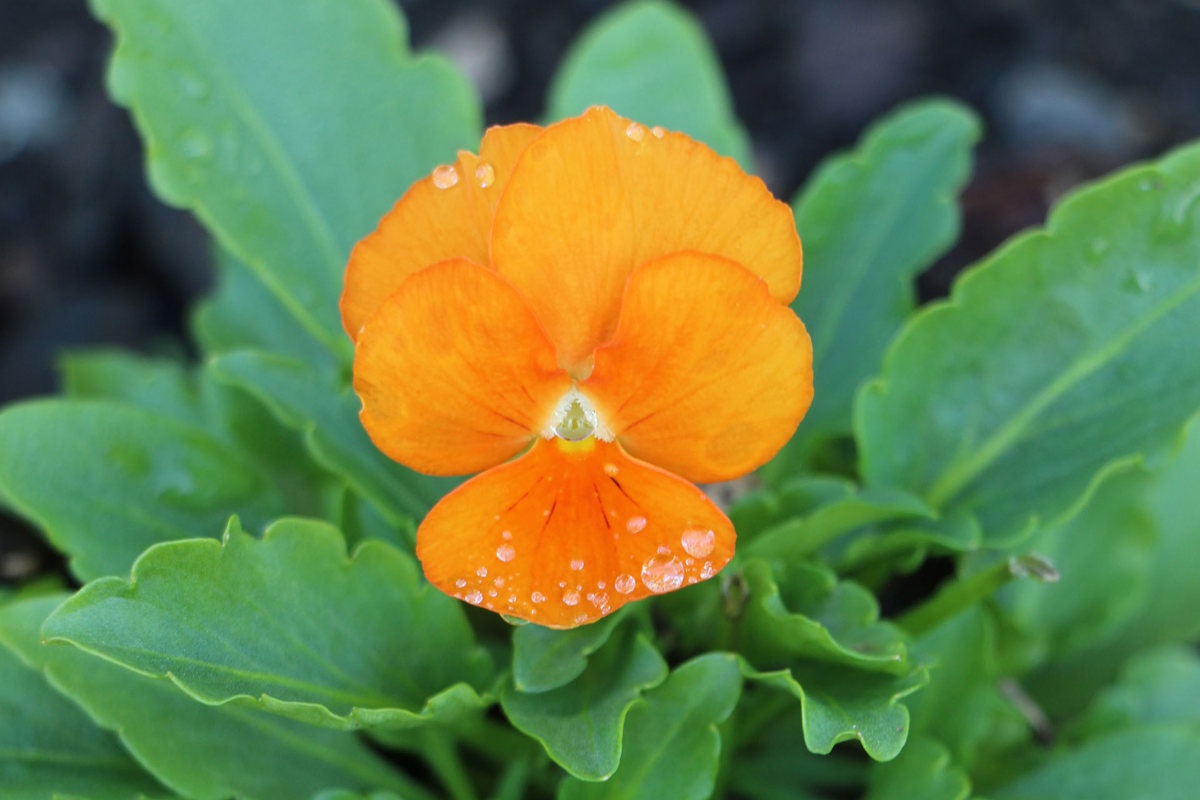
<point x="595" y="196"/>
<point x="454" y="373"/>
<point x="707" y="375"/>
<point x="434" y="221"/>
<point x="569" y="532"/>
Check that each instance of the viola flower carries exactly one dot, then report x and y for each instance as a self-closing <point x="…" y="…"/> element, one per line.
<point x="593" y="315"/>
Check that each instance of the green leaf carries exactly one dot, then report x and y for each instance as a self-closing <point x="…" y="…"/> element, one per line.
<point x="328" y="416"/>
<point x="672" y="746"/>
<point x="838" y="704"/>
<point x="289" y="129"/>
<point x="798" y="537"/>
<point x="1159" y="762"/>
<point x="243" y="314"/>
<point x="871" y="220"/>
<point x="338" y="794"/>
<point x="545" y="659"/>
<point x="923" y="771"/>
<point x="581" y="724"/>
<point x="1168" y="611"/>
<point x="193" y="396"/>
<point x="1158" y="686"/>
<point x="288" y="624"/>
<point x="651" y="61"/>
<point x="134" y="478"/>
<point x="201" y="752"/>
<point x="48" y="746"/>
<point x="962" y="707"/>
<point x="1094" y="595"/>
<point x="809" y="614"/>
<point x="1049" y="357"/>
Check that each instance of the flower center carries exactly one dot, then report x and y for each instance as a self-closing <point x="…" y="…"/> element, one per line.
<point x="575" y="419"/>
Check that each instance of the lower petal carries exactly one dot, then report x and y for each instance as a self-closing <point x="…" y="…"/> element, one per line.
<point x="571" y="531"/>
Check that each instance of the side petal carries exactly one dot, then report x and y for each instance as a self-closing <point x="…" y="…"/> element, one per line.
<point x="707" y="375"/>
<point x="569" y="532"/>
<point x="595" y="196"/>
<point x="444" y="215"/>
<point x="454" y="373"/>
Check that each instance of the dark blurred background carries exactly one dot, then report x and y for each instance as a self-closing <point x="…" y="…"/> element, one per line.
<point x="1068" y="89"/>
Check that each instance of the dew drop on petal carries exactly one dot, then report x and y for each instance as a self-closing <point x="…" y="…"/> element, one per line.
<point x="625" y="583"/>
<point x="537" y="597"/>
<point x="600" y="584"/>
<point x="662" y="573"/>
<point x="698" y="542"/>
<point x="599" y="600"/>
<point x="571" y="597"/>
<point x="576" y="565"/>
<point x="635" y="132"/>
<point x="707" y="570"/>
<point x="461" y="583"/>
<point x="635" y="524"/>
<point x="485" y="174"/>
<point x="481" y="572"/>
<point x="581" y="618"/>
<point x="610" y="469"/>
<point x="506" y="535"/>
<point x="474" y="597"/>
<point x="499" y="582"/>
<point x="506" y="552"/>
<point x="658" y="132"/>
<point x="492" y="593"/>
<point x="445" y="176"/>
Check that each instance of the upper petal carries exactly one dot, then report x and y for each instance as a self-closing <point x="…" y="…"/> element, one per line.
<point x="595" y="196"/>
<point x="570" y="532"/>
<point x="707" y="374"/>
<point x="442" y="216"/>
<point x="454" y="373"/>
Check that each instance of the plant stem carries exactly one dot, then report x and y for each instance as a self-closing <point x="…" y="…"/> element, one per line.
<point x="441" y="753"/>
<point x="961" y="594"/>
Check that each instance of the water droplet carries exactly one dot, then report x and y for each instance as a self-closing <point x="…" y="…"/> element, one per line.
<point x="445" y="176"/>
<point x="576" y="565"/>
<point x="492" y="593"/>
<point x="506" y="535"/>
<point x="698" y="542"/>
<point x="571" y="597"/>
<point x="481" y="572"/>
<point x="499" y="582"/>
<point x="635" y="132"/>
<point x="461" y="583"/>
<point x="474" y="597"/>
<point x="599" y="600"/>
<point x="625" y="583"/>
<point x="707" y="570"/>
<point x="485" y="174"/>
<point x="195" y="144"/>
<point x="512" y="598"/>
<point x="600" y="584"/>
<point x="537" y="597"/>
<point x="581" y="618"/>
<point x="662" y="573"/>
<point x="506" y="552"/>
<point x="610" y="470"/>
<point x="658" y="132"/>
<point x="635" y="524"/>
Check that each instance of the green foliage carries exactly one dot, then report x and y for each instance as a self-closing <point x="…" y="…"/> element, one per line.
<point x="237" y="621"/>
<point x="197" y="750"/>
<point x="286" y="178"/>
<point x="1047" y="357"/>
<point x="40" y="731"/>
<point x="652" y="62"/>
<point x="671" y="739"/>
<point x="580" y="724"/>
<point x="1033" y="425"/>
<point x="870" y="221"/>
<point x="119" y="462"/>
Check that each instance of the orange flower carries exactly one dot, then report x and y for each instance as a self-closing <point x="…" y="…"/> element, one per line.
<point x="608" y="303"/>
